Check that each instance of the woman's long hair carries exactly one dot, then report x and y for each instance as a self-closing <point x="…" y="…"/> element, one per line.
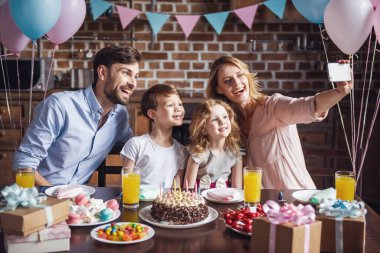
<point x="198" y="139"/>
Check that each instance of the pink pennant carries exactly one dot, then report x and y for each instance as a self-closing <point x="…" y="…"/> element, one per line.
<point x="247" y="14"/>
<point x="126" y="15"/>
<point x="187" y="22"/>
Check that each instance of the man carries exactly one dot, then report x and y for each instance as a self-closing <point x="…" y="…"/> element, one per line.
<point x="73" y="131"/>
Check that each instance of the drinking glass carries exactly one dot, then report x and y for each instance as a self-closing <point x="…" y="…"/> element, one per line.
<point x="25" y="177"/>
<point x="252" y="185"/>
<point x="345" y="184"/>
<point x="131" y="187"/>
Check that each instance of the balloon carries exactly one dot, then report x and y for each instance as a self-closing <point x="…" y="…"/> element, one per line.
<point x="375" y="3"/>
<point x="2" y="2"/>
<point x="348" y="23"/>
<point x="312" y="10"/>
<point x="35" y="18"/>
<point x="376" y="23"/>
<point x="73" y="13"/>
<point x="10" y="35"/>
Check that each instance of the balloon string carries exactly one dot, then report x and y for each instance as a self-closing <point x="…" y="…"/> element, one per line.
<point x="333" y="86"/>
<point x="369" y="133"/>
<point x="362" y="100"/>
<point x="19" y="95"/>
<point x="31" y="81"/>
<point x="4" y="55"/>
<point x="51" y="67"/>
<point x="353" y="130"/>
<point x="368" y="90"/>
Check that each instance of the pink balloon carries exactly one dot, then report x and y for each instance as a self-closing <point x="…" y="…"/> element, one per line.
<point x="72" y="16"/>
<point x="10" y="35"/>
<point x="348" y="23"/>
<point x="375" y="3"/>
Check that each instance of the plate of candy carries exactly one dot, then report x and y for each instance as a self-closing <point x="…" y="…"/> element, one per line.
<point x="240" y="220"/>
<point x="122" y="233"/>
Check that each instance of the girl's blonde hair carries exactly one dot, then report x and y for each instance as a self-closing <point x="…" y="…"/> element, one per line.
<point x="254" y="88"/>
<point x="198" y="138"/>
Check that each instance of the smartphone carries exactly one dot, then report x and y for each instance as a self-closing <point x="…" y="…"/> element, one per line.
<point x="339" y="72"/>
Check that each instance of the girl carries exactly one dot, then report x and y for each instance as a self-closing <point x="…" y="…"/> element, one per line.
<point x="214" y="146"/>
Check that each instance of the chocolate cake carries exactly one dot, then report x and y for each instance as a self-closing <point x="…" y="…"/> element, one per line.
<point x="179" y="208"/>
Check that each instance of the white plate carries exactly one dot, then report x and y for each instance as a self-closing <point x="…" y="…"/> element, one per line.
<point x="149" y="234"/>
<point x="238" y="231"/>
<point x="145" y="215"/>
<point x="215" y="190"/>
<point x="151" y="190"/>
<point x="51" y="191"/>
<point x="304" y="196"/>
<point x="116" y="215"/>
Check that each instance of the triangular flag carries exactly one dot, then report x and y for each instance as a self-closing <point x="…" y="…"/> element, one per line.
<point x="126" y="15"/>
<point x="156" y="20"/>
<point x="217" y="20"/>
<point x="187" y="22"/>
<point x="247" y="14"/>
<point x="98" y="7"/>
<point x="277" y="7"/>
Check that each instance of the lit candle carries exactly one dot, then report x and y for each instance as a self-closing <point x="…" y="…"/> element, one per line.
<point x="174" y="186"/>
<point x="186" y="185"/>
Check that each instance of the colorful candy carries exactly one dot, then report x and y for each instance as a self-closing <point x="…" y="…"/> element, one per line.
<point x="125" y="232"/>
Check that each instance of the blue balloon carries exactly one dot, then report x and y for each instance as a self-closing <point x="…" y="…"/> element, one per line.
<point x="35" y="17"/>
<point x="312" y="10"/>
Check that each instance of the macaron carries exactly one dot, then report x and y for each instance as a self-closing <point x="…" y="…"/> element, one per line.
<point x="74" y="218"/>
<point x="105" y="214"/>
<point x="81" y="199"/>
<point x="113" y="204"/>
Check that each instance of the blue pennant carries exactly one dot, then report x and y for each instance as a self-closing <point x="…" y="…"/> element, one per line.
<point x="98" y="7"/>
<point x="217" y="20"/>
<point x="277" y="7"/>
<point x="156" y="20"/>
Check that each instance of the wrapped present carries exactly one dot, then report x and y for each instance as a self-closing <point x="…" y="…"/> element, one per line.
<point x="52" y="239"/>
<point x="286" y="229"/>
<point x="343" y="226"/>
<point x="27" y="211"/>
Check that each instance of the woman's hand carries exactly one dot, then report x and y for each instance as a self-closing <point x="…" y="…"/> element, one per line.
<point x="344" y="87"/>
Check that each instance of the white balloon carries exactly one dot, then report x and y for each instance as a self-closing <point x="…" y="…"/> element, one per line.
<point x="348" y="23"/>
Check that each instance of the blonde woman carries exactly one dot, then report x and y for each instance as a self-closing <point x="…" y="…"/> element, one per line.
<point x="214" y="147"/>
<point x="268" y="123"/>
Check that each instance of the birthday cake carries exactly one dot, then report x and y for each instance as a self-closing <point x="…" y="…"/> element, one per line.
<point x="179" y="208"/>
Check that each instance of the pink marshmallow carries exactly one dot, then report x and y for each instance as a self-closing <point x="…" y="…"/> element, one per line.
<point x="112" y="204"/>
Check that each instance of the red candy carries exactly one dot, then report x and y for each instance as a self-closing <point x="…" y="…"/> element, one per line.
<point x="242" y="218"/>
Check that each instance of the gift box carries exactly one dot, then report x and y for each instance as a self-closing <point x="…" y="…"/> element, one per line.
<point x="352" y="234"/>
<point x="287" y="237"/>
<point x="52" y="239"/>
<point x="27" y="220"/>
<point x="343" y="226"/>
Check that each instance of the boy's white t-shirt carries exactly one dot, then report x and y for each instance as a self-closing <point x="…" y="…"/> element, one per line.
<point x="157" y="164"/>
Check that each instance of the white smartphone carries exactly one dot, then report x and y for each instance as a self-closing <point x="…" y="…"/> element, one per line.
<point x="339" y="72"/>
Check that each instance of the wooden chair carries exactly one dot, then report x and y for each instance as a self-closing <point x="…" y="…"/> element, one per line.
<point x="322" y="163"/>
<point x="112" y="164"/>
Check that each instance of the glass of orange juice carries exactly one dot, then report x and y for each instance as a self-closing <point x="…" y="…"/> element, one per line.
<point x="131" y="187"/>
<point x="25" y="177"/>
<point x="345" y="184"/>
<point x="252" y="185"/>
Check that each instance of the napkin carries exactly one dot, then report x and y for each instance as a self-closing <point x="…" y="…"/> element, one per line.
<point x="222" y="194"/>
<point x="68" y="191"/>
<point x="328" y="193"/>
<point x="149" y="191"/>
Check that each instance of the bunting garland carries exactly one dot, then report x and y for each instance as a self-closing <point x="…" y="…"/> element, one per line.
<point x="187" y="22"/>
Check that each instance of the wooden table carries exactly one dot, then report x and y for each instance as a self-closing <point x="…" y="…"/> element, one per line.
<point x="212" y="237"/>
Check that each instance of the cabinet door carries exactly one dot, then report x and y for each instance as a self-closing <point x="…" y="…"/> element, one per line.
<point x="7" y="176"/>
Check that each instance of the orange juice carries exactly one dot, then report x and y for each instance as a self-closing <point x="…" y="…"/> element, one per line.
<point x="252" y="186"/>
<point x="345" y="187"/>
<point x="25" y="178"/>
<point x="131" y="189"/>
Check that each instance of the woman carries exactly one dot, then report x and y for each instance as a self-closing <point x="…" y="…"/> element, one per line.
<point x="268" y="123"/>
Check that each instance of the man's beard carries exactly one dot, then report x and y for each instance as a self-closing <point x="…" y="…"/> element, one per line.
<point x="113" y="95"/>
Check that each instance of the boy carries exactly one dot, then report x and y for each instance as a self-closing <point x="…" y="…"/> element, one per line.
<point x="160" y="157"/>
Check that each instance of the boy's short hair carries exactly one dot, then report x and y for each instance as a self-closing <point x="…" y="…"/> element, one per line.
<point x="150" y="98"/>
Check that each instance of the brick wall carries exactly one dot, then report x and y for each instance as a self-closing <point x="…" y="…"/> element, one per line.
<point x="287" y="54"/>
